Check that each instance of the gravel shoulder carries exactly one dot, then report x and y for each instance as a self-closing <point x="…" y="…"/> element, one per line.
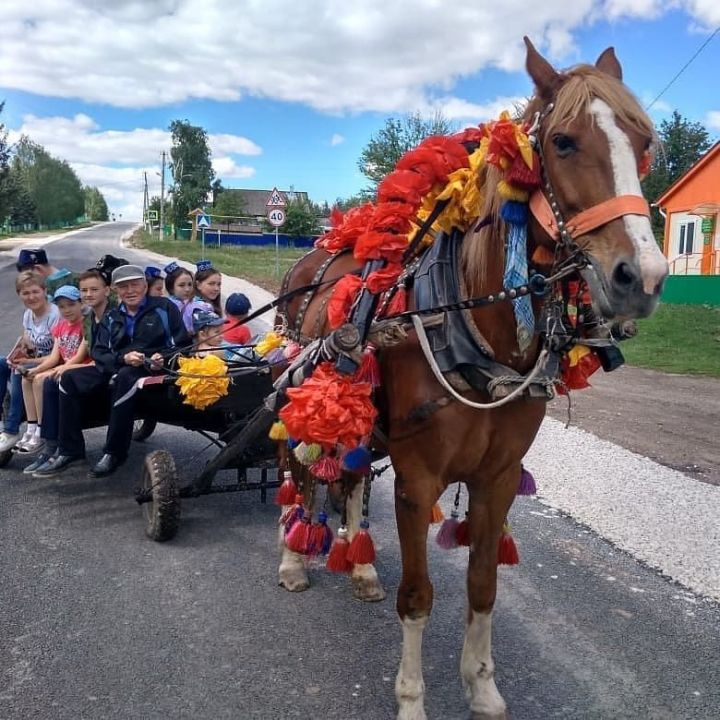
<point x="671" y="419"/>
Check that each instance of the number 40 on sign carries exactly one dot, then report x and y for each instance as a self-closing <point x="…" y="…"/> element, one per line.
<point x="276" y="216"/>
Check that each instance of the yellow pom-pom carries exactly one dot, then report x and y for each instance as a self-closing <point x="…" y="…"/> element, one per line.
<point x="278" y="431"/>
<point x="307" y="454"/>
<point x="202" y="381"/>
<point x="271" y="341"/>
<point x="508" y="192"/>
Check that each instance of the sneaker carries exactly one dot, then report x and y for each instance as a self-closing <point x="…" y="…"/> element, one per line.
<point x="37" y="463"/>
<point x="9" y="440"/>
<point x="57" y="464"/>
<point x="22" y="443"/>
<point x="32" y="446"/>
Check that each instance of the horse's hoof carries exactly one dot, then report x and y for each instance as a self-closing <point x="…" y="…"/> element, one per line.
<point x="412" y="711"/>
<point x="368" y="589"/>
<point x="490" y="716"/>
<point x="293" y="579"/>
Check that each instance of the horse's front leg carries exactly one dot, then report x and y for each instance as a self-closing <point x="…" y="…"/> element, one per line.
<point x="489" y="505"/>
<point x="365" y="581"/>
<point x="415" y="596"/>
<point x="292" y="573"/>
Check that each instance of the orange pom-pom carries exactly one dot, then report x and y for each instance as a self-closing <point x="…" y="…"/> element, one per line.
<point x="436" y="515"/>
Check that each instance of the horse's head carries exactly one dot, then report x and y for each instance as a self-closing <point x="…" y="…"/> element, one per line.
<point x="594" y="140"/>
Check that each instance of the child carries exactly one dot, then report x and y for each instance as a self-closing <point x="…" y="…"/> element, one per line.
<point x="37" y="341"/>
<point x="208" y="284"/>
<point x="237" y="307"/>
<point x="69" y="350"/>
<point x="95" y="295"/>
<point x="207" y="328"/>
<point x="180" y="287"/>
<point x="156" y="287"/>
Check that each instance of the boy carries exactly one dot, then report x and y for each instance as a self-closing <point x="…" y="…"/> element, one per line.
<point x="237" y="307"/>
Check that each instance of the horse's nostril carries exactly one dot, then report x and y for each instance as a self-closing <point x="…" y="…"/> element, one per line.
<point x="624" y="275"/>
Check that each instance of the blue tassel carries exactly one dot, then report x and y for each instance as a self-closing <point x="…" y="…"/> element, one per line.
<point x="293" y="443"/>
<point x="514" y="212"/>
<point x="357" y="460"/>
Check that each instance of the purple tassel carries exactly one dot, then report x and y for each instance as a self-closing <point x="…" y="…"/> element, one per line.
<point x="275" y="356"/>
<point x="446" y="537"/>
<point x="527" y="483"/>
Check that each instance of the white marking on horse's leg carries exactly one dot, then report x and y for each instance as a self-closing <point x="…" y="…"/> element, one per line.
<point x="653" y="264"/>
<point x="292" y="574"/>
<point x="477" y="668"/>
<point x="365" y="581"/>
<point x="409" y="683"/>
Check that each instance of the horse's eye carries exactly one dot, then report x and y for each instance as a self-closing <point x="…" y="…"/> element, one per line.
<point x="564" y="145"/>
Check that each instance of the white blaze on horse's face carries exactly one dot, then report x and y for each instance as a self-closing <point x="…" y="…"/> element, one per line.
<point x="652" y="264"/>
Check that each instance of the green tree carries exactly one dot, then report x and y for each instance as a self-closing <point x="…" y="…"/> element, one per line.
<point x="5" y="190"/>
<point x="682" y="143"/>
<point x="21" y="208"/>
<point x="192" y="170"/>
<point x="301" y="219"/>
<point x="345" y="204"/>
<point x="229" y="205"/>
<point x="155" y="205"/>
<point x="391" y="142"/>
<point x="95" y="206"/>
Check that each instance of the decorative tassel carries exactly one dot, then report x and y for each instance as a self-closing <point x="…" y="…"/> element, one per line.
<point x="398" y="303"/>
<point x="321" y="536"/>
<point x="362" y="549"/>
<point x="446" y="537"/>
<point x="293" y="513"/>
<point x="357" y="460"/>
<point x="298" y="538"/>
<point x="369" y="370"/>
<point x="275" y="356"/>
<point x="462" y="533"/>
<point x="292" y="443"/>
<point x="523" y="177"/>
<point x="507" y="550"/>
<point x="278" y="431"/>
<point x="436" y="514"/>
<point x="288" y="491"/>
<point x="308" y="454"/>
<point x="326" y="468"/>
<point x="292" y="350"/>
<point x="337" y="559"/>
<point x="527" y="483"/>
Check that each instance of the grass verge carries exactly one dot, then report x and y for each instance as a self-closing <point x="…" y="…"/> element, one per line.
<point x="255" y="264"/>
<point x="679" y="339"/>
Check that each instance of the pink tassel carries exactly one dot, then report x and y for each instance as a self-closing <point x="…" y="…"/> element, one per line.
<point x="527" y="483"/>
<point x="326" y="468"/>
<point x="292" y="514"/>
<point x="292" y="350"/>
<point x="369" y="370"/>
<point x="446" y="536"/>
<point x="298" y="538"/>
<point x="362" y="548"/>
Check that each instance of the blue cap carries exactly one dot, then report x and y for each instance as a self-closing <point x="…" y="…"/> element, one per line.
<point x="237" y="304"/>
<point x="152" y="272"/>
<point x="204" y="265"/>
<point x="69" y="292"/>
<point x="171" y="267"/>
<point x="30" y="258"/>
<point x="205" y="318"/>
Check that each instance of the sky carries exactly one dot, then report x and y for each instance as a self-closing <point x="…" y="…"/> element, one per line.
<point x="291" y="92"/>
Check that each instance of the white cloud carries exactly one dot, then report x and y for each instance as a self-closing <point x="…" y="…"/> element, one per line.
<point x="336" y="139"/>
<point x="712" y="120"/>
<point x="95" y="155"/>
<point x="458" y="109"/>
<point x="332" y="56"/>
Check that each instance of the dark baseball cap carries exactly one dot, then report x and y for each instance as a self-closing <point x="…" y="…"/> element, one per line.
<point x="205" y="318"/>
<point x="29" y="258"/>
<point x="237" y="304"/>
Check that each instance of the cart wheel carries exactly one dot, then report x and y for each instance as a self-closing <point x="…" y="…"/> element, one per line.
<point x="143" y="429"/>
<point x="5" y="457"/>
<point x="162" y="513"/>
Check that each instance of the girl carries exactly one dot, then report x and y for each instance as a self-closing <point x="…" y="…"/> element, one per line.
<point x="155" y="282"/>
<point x="69" y="350"/>
<point x="36" y="343"/>
<point x="208" y="284"/>
<point x="180" y="287"/>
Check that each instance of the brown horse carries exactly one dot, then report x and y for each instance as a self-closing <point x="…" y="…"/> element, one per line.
<point x="592" y="139"/>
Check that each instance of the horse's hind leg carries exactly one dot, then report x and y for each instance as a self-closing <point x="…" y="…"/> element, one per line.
<point x="489" y="505"/>
<point x="292" y="573"/>
<point x="365" y="581"/>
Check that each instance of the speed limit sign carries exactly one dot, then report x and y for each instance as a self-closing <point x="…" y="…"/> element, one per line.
<point x="276" y="216"/>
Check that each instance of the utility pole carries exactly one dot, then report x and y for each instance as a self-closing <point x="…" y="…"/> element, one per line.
<point x="145" y="202"/>
<point x="162" y="196"/>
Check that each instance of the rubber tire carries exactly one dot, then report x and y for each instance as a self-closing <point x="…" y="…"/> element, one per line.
<point x="143" y="429"/>
<point x="162" y="514"/>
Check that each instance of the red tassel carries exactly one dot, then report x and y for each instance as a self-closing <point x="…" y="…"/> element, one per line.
<point x="398" y="303"/>
<point x="298" y="538"/>
<point x="287" y="491"/>
<point x="507" y="550"/>
<point x="291" y="514"/>
<point x="362" y="549"/>
<point x="337" y="559"/>
<point x="326" y="468"/>
<point x="369" y="370"/>
<point x="462" y="533"/>
<point x="521" y="176"/>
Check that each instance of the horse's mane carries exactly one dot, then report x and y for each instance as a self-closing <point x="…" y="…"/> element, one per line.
<point x="581" y="85"/>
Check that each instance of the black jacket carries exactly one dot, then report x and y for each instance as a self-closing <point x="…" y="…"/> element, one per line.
<point x="158" y="328"/>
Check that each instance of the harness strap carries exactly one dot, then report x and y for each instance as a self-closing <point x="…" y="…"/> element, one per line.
<point x="590" y="219"/>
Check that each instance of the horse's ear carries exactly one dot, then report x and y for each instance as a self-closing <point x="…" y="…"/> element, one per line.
<point x="546" y="78"/>
<point x="608" y="63"/>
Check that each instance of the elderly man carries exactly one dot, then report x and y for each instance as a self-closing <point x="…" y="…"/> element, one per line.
<point x="131" y="339"/>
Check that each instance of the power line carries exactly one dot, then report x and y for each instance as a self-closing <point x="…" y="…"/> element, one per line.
<point x="684" y="67"/>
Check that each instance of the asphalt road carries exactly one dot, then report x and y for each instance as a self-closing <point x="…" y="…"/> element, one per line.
<point x="96" y="621"/>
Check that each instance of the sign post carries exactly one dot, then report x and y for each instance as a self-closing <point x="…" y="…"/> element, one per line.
<point x="203" y="221"/>
<point x="275" y="211"/>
